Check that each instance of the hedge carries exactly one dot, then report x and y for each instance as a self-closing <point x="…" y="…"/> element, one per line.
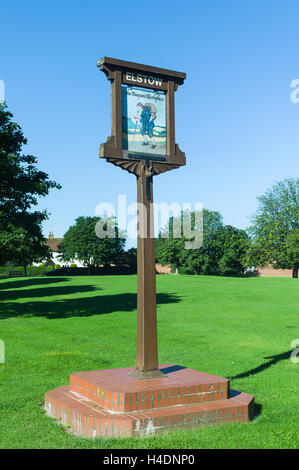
<point x="30" y="270"/>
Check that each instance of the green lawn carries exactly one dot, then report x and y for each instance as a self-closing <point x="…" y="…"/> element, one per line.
<point x="232" y="327"/>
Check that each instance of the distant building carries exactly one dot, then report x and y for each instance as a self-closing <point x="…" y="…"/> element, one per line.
<point x="161" y="269"/>
<point x="54" y="243"/>
<point x="269" y="271"/>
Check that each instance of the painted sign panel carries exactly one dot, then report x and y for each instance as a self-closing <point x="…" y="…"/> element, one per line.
<point x="143" y="120"/>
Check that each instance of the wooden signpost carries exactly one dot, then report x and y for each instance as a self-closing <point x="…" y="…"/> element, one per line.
<point x="118" y="402"/>
<point x="142" y="141"/>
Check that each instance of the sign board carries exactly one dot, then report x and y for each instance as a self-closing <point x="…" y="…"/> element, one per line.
<point x="142" y="116"/>
<point x="143" y="120"/>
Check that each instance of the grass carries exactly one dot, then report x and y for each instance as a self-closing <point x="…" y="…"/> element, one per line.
<point x="232" y="327"/>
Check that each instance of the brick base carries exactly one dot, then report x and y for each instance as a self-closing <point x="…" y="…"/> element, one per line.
<point x="109" y="403"/>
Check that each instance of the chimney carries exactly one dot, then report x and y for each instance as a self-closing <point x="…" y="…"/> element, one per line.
<point x="51" y="235"/>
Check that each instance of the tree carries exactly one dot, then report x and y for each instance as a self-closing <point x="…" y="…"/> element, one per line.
<point x="167" y="250"/>
<point x="274" y="230"/>
<point x="222" y="251"/>
<point x="235" y="245"/>
<point x="204" y="260"/>
<point x="21" y="185"/>
<point x="81" y="242"/>
<point x="168" y="246"/>
<point x="130" y="258"/>
<point x="23" y="247"/>
<point x="292" y="250"/>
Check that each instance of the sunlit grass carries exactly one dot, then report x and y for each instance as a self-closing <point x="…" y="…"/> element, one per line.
<point x="232" y="327"/>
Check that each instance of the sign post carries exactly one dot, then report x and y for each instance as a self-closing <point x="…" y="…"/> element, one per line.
<point x="117" y="402"/>
<point x="142" y="142"/>
<point x="147" y="348"/>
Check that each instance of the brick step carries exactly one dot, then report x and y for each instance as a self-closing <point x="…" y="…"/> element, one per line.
<point x="115" y="390"/>
<point x="87" y="418"/>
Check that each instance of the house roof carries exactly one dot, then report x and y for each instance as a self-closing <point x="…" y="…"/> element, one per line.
<point x="53" y="243"/>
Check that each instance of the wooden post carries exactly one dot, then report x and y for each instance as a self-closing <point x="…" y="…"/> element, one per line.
<point x="147" y="349"/>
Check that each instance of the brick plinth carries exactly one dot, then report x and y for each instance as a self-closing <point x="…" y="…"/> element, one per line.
<point x="109" y="403"/>
<point x="115" y="390"/>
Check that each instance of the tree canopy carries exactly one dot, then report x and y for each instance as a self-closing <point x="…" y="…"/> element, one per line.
<point x="81" y="242"/>
<point x="21" y="185"/>
<point x="222" y="252"/>
<point x="275" y="227"/>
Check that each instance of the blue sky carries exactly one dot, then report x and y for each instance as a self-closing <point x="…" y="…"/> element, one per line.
<point x="234" y="117"/>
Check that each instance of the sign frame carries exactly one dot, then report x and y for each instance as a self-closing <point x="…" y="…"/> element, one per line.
<point x="120" y="73"/>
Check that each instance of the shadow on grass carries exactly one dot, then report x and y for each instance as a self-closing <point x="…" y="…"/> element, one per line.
<point x="45" y="292"/>
<point x="257" y="411"/>
<point x="80" y="307"/>
<point x="265" y="365"/>
<point x="36" y="281"/>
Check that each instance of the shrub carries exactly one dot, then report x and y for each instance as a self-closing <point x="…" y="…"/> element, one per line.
<point x="185" y="270"/>
<point x="3" y="271"/>
<point x="30" y="271"/>
<point x="36" y="270"/>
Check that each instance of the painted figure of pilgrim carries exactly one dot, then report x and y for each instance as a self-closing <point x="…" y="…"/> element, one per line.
<point x="147" y="115"/>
